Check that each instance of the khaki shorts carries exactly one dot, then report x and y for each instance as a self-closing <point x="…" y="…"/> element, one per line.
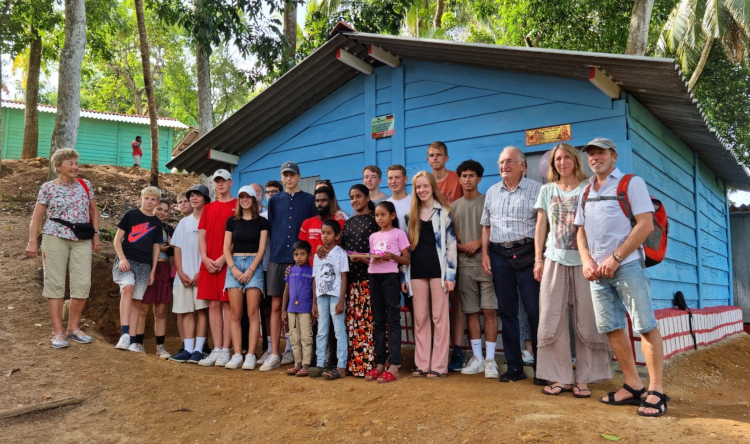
<point x="477" y="290"/>
<point x="185" y="300"/>
<point x="60" y="256"/>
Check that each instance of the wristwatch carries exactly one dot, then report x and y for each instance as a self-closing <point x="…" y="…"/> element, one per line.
<point x="96" y="232"/>
<point x="617" y="258"/>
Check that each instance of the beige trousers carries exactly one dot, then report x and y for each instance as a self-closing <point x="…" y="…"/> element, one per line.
<point x="60" y="255"/>
<point x="563" y="290"/>
<point x="301" y="336"/>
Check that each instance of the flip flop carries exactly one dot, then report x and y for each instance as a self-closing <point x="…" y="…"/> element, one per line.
<point x="387" y="377"/>
<point x="556" y="386"/>
<point x="436" y="375"/>
<point x="302" y="372"/>
<point x="332" y="375"/>
<point x="293" y="371"/>
<point x="577" y="394"/>
<point x="417" y="373"/>
<point x="372" y="375"/>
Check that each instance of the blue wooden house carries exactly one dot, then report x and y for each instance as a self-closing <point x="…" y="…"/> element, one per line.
<point x="478" y="99"/>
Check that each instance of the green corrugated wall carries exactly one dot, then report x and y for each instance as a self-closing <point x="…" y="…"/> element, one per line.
<point x="101" y="142"/>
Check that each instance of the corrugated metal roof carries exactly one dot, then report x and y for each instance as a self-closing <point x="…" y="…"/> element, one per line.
<point x="166" y="122"/>
<point x="657" y="83"/>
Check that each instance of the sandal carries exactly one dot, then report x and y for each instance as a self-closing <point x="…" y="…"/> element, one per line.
<point x="387" y="377"/>
<point x="417" y="373"/>
<point x="293" y="371"/>
<point x="436" y="375"/>
<point x="332" y="375"/>
<point x="553" y="387"/>
<point x="658" y="406"/>
<point x="80" y="337"/>
<point x="302" y="372"/>
<point x="372" y="375"/>
<point x="58" y="341"/>
<point x="577" y="394"/>
<point x="635" y="400"/>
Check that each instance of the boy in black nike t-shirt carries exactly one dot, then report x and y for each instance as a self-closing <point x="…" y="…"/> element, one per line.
<point x="137" y="241"/>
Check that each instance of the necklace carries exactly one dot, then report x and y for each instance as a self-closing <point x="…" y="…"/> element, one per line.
<point x="300" y="283"/>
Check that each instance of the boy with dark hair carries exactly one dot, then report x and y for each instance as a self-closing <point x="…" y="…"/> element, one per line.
<point x="297" y="308"/>
<point x="372" y="178"/>
<point x="474" y="285"/>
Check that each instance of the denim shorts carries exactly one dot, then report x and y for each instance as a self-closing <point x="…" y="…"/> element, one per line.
<point x="629" y="290"/>
<point x="243" y="263"/>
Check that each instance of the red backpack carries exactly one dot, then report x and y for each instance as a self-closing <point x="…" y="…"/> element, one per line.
<point x="655" y="245"/>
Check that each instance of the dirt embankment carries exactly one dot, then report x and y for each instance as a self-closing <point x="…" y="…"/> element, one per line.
<point x="139" y="398"/>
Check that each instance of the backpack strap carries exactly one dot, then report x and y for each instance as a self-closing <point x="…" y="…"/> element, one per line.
<point x="622" y="197"/>
<point x="83" y="184"/>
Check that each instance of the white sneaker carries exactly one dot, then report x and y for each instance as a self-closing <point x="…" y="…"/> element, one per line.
<point x="124" y="342"/>
<point x="224" y="358"/>
<point x="137" y="348"/>
<point x="161" y="352"/>
<point x="235" y="362"/>
<point x="528" y="358"/>
<point x="271" y="363"/>
<point x="264" y="356"/>
<point x="287" y="358"/>
<point x="474" y="367"/>
<point x="249" y="362"/>
<point x="490" y="369"/>
<point x="210" y="361"/>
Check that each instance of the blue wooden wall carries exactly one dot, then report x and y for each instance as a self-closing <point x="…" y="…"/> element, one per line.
<point x="697" y="260"/>
<point x="477" y="112"/>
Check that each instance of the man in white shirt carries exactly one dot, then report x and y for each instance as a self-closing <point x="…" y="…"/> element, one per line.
<point x="401" y="199"/>
<point x="372" y="178"/>
<point x="610" y="251"/>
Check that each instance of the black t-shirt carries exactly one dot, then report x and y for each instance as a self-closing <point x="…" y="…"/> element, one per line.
<point x="141" y="233"/>
<point x="425" y="263"/>
<point x="246" y="233"/>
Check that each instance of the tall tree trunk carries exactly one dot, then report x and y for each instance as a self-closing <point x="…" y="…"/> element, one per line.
<point x="149" y="82"/>
<point x="701" y="62"/>
<point x="31" y="114"/>
<point x="68" y="115"/>
<point x="437" y="21"/>
<point x="1" y="97"/>
<point x="639" y="23"/>
<point x="290" y="27"/>
<point x="205" y="105"/>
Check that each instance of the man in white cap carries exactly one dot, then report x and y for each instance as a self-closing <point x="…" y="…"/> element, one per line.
<point x="610" y="251"/>
<point x="213" y="266"/>
<point x="286" y="212"/>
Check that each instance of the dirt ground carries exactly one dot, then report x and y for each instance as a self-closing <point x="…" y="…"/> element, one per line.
<point x="139" y="398"/>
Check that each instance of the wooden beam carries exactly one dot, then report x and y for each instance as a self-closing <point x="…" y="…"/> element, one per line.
<point x="221" y="156"/>
<point x="604" y="83"/>
<point x="353" y="61"/>
<point x="383" y="56"/>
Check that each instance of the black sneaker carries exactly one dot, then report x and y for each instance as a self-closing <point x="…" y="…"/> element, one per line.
<point x="513" y="375"/>
<point x="458" y="362"/>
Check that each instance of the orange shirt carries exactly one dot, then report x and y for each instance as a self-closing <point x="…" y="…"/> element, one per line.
<point x="451" y="188"/>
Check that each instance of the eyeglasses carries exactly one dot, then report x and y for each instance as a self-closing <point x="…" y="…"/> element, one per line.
<point x="271" y="192"/>
<point x="325" y="181"/>
<point x="508" y="162"/>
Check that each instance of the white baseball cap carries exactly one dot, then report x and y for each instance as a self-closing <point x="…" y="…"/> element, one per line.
<point x="247" y="189"/>
<point x="224" y="174"/>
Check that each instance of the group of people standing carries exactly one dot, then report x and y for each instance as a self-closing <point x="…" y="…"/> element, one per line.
<point x="452" y="251"/>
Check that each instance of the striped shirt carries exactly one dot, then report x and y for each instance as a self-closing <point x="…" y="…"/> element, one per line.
<point x="510" y="214"/>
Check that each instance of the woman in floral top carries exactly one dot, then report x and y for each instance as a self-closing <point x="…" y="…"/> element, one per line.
<point x="65" y="198"/>
<point x="355" y="237"/>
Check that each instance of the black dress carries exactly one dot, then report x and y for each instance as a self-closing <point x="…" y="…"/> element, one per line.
<point x="425" y="263"/>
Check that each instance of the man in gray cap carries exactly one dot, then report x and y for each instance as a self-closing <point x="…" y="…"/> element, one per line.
<point x="612" y="260"/>
<point x="286" y="212"/>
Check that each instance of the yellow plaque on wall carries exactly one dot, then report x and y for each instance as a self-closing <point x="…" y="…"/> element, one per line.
<point x="549" y="134"/>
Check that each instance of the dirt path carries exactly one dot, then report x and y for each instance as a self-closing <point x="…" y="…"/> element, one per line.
<point x="137" y="398"/>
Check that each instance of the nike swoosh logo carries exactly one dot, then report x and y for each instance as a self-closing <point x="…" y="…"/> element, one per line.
<point x="135" y="238"/>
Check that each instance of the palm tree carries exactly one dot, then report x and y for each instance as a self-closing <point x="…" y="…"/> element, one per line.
<point x="694" y="25"/>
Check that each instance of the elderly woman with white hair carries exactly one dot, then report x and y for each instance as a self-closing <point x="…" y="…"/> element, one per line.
<point x="69" y="235"/>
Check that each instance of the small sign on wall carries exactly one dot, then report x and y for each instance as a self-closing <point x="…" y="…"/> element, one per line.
<point x="549" y="134"/>
<point x="383" y="126"/>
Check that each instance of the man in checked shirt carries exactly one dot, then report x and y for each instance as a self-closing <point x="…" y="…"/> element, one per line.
<point x="509" y="221"/>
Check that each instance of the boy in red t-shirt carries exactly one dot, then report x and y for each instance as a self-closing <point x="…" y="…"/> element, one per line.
<point x="213" y="271"/>
<point x="137" y="151"/>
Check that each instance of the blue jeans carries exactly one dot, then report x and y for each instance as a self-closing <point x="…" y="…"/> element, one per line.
<point x="509" y="285"/>
<point x="326" y="314"/>
<point x="628" y="290"/>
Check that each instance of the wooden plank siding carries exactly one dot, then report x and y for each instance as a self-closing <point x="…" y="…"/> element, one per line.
<point x="697" y="258"/>
<point x="100" y="142"/>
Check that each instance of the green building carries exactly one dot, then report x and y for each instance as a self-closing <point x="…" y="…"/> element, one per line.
<point x="103" y="138"/>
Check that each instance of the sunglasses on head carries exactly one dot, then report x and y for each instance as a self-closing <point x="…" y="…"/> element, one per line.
<point x="325" y="181"/>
